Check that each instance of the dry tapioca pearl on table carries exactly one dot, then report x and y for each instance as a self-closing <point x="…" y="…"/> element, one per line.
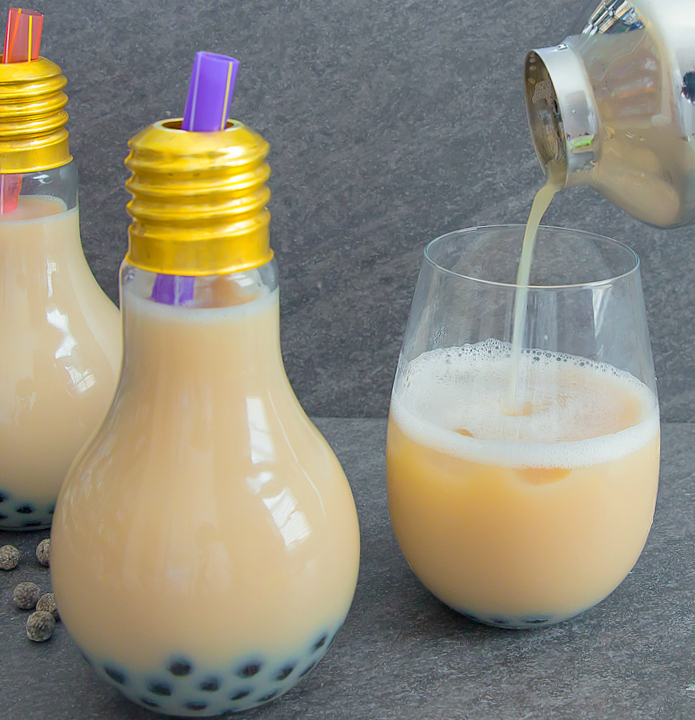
<point x="47" y="603"/>
<point x="40" y="626"/>
<point x="43" y="552"/>
<point x="26" y="595"/>
<point x="9" y="557"/>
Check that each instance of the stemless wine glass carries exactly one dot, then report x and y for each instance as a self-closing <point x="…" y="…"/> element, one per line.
<point x="521" y="509"/>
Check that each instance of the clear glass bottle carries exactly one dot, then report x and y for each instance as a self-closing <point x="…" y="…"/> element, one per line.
<point x="60" y="339"/>
<point x="222" y="534"/>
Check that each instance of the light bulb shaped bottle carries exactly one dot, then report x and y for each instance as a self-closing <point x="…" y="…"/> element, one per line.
<point x="60" y="335"/>
<point x="205" y="546"/>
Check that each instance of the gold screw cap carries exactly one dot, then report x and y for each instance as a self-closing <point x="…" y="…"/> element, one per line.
<point x="32" y="117"/>
<point x="199" y="200"/>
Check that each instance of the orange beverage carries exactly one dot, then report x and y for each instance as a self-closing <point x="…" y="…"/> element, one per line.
<point x="520" y="520"/>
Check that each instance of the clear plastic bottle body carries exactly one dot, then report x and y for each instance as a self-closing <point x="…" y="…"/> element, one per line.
<point x="59" y="345"/>
<point x="223" y="538"/>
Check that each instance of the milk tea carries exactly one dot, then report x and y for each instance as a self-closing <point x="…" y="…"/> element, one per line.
<point x="526" y="519"/>
<point x="59" y="356"/>
<point x="205" y="548"/>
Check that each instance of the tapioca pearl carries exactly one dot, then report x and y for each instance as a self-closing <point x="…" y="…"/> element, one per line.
<point x="268" y="696"/>
<point x="240" y="694"/>
<point x="25" y="509"/>
<point x="149" y="703"/>
<point x="160" y="687"/>
<point x="195" y="705"/>
<point x="4" y="496"/>
<point x="285" y="672"/>
<point x="210" y="684"/>
<point x="3" y="516"/>
<point x="51" y="509"/>
<point x="32" y="523"/>
<point x="249" y="669"/>
<point x="499" y="621"/>
<point x="26" y="595"/>
<point x="535" y="620"/>
<point x="180" y="666"/>
<point x="307" y="669"/>
<point x="116" y="674"/>
<point x="320" y="643"/>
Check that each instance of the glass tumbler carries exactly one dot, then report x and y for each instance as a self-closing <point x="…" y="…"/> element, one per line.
<point x="522" y="484"/>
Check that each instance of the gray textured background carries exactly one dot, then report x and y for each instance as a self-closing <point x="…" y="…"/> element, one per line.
<point x="390" y="122"/>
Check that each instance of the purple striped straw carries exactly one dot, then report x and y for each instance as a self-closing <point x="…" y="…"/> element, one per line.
<point x="207" y="109"/>
<point x="210" y="92"/>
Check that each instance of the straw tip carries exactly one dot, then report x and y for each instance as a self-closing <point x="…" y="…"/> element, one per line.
<point x="208" y="57"/>
<point x="210" y="92"/>
<point x="22" y="35"/>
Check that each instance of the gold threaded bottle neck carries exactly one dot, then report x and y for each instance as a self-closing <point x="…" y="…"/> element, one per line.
<point x="32" y="117"/>
<point x="199" y="200"/>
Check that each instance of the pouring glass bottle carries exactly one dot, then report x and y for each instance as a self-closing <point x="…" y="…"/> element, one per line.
<point x="205" y="546"/>
<point x="60" y="338"/>
<point x="613" y="107"/>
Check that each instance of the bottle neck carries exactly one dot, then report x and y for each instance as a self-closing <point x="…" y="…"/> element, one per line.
<point x="211" y="331"/>
<point x="57" y="184"/>
<point x="41" y="256"/>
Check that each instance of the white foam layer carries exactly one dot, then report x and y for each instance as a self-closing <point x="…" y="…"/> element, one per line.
<point x="575" y="412"/>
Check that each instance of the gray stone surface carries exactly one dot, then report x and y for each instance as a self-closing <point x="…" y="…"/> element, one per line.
<point x="389" y="122"/>
<point x="403" y="655"/>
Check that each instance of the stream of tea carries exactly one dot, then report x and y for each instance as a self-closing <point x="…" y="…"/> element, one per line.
<point x="540" y="204"/>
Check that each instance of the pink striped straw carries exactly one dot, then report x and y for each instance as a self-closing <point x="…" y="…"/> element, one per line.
<point x="22" y="44"/>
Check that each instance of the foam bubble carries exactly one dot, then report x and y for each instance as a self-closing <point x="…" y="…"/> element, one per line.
<point x="574" y="411"/>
